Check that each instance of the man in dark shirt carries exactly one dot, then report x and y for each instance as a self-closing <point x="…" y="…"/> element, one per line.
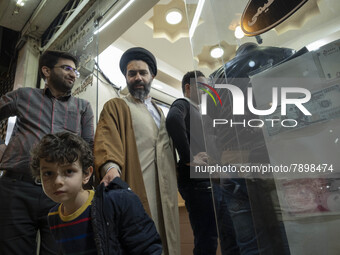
<point x="23" y="204"/>
<point x="190" y="146"/>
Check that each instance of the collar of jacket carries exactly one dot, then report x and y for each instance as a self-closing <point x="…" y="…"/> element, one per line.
<point x="116" y="183"/>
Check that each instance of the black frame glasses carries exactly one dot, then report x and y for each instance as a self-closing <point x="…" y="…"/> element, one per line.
<point x="70" y="69"/>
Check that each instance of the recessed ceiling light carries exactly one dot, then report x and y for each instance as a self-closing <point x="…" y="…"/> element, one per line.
<point x="251" y="63"/>
<point x="174" y="17"/>
<point x="238" y="32"/>
<point x="216" y="52"/>
<point x="20" y="3"/>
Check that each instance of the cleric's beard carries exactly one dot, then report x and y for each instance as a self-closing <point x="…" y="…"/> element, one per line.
<point x="140" y="94"/>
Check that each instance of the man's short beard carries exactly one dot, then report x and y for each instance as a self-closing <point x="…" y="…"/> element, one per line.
<point x="140" y="94"/>
<point x="59" y="84"/>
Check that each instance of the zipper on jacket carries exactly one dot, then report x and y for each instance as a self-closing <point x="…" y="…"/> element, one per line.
<point x="107" y="237"/>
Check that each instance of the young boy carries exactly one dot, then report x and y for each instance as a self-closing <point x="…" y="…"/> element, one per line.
<point x="110" y="220"/>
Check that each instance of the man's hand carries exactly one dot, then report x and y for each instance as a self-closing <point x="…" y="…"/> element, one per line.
<point x="110" y="175"/>
<point x="200" y="159"/>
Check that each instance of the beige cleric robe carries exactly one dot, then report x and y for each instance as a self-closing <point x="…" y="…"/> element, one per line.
<point x="147" y="162"/>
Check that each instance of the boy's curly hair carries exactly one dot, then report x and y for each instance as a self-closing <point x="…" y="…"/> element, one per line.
<point x="63" y="148"/>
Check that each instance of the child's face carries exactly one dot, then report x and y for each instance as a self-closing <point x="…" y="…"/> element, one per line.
<point x="63" y="183"/>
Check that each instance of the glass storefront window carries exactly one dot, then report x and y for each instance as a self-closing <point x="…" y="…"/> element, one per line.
<point x="275" y="121"/>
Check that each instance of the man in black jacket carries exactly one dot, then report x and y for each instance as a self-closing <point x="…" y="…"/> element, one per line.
<point x="184" y="125"/>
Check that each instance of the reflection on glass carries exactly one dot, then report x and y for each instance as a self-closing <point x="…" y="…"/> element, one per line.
<point x="277" y="175"/>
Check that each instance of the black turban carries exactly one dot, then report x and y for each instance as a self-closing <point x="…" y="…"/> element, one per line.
<point x="138" y="53"/>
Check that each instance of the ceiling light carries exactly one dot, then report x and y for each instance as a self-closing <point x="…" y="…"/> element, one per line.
<point x="251" y="63"/>
<point x="20" y="3"/>
<point x="196" y="18"/>
<point x="174" y="17"/>
<point x="114" y="17"/>
<point x="216" y="52"/>
<point x="238" y="32"/>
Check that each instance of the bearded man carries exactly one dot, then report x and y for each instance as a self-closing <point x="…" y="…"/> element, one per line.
<point x="132" y="143"/>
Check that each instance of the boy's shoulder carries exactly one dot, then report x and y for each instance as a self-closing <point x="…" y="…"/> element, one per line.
<point x="116" y="184"/>
<point x="118" y="192"/>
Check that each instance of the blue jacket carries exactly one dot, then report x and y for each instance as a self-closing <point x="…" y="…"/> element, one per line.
<point x="120" y="223"/>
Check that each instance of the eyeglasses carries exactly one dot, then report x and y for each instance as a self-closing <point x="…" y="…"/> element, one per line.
<point x="70" y="69"/>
